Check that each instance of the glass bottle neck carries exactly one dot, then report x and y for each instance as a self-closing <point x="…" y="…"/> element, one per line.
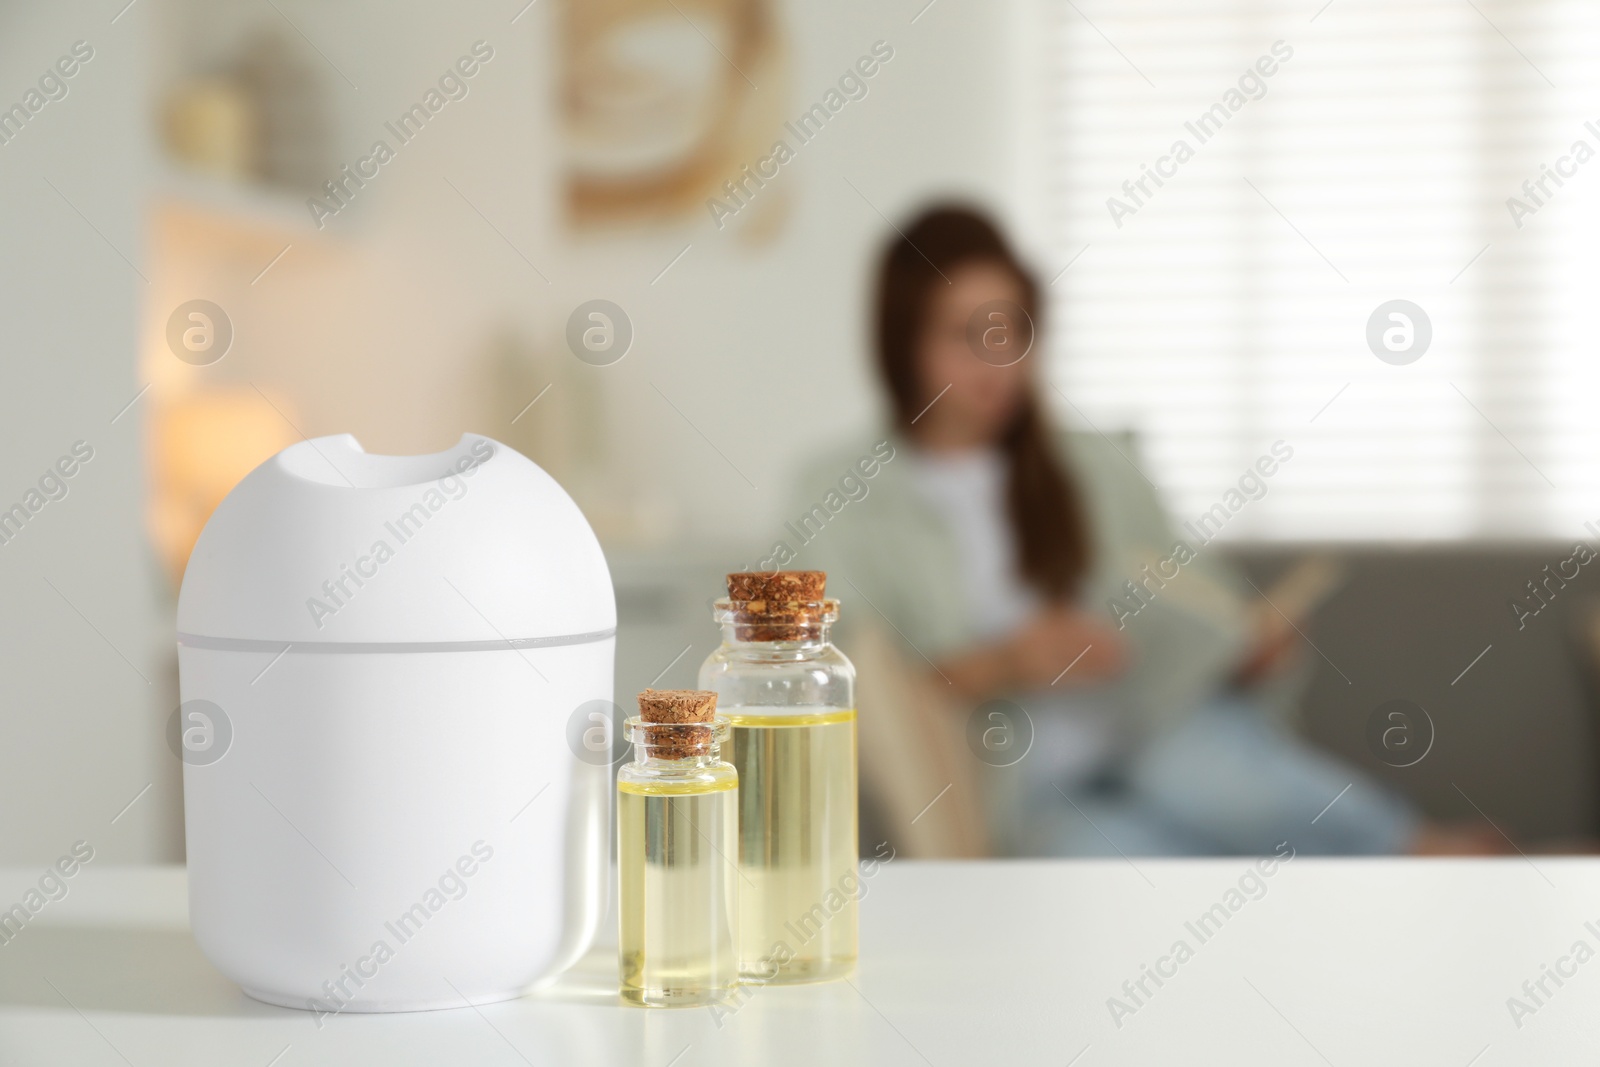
<point x="661" y="757"/>
<point x="790" y="639"/>
<point x="677" y="747"/>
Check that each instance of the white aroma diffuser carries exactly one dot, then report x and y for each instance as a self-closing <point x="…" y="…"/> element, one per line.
<point x="381" y="660"/>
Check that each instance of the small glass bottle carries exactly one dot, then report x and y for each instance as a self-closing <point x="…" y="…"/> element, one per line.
<point x="677" y="808"/>
<point x="789" y="696"/>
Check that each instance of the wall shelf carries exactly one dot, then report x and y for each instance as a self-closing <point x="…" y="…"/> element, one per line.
<point x="242" y="208"/>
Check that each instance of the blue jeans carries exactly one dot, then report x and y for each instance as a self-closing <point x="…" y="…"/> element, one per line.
<point x="1227" y="781"/>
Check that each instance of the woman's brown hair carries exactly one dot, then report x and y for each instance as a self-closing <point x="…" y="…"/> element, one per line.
<point x="1046" y="513"/>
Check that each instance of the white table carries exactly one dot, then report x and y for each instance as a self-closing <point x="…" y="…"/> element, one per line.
<point x="1338" y="961"/>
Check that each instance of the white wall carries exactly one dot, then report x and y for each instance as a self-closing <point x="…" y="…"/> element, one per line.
<point x="82" y="726"/>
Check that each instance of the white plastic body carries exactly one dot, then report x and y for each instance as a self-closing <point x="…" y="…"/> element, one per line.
<point x="355" y="783"/>
<point x="401" y="825"/>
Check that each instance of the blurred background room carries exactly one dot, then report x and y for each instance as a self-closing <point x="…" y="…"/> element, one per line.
<point x="641" y="242"/>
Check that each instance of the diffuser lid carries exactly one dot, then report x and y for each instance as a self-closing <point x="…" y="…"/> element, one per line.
<point x="325" y="543"/>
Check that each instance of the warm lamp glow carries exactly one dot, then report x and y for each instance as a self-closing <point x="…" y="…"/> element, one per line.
<point x="202" y="445"/>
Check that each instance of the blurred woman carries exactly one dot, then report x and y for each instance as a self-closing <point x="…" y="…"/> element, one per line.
<point x="995" y="545"/>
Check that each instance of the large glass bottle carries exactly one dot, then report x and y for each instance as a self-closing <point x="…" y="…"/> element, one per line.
<point x="677" y="808"/>
<point x="789" y="697"/>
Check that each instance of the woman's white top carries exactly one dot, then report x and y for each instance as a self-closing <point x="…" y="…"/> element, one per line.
<point x="1073" y="732"/>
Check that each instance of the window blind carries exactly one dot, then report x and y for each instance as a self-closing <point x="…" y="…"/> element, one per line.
<point x="1229" y="189"/>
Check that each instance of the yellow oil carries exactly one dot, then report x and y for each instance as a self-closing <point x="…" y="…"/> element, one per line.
<point x="798" y="880"/>
<point x="678" y="896"/>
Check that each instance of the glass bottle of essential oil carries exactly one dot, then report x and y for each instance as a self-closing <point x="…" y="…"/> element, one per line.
<point x="677" y="809"/>
<point x="789" y="696"/>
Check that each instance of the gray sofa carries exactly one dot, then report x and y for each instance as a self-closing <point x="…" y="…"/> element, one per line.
<point x="1515" y="734"/>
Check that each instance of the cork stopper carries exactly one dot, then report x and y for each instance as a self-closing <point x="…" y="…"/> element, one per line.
<point x="758" y="588"/>
<point x="777" y="605"/>
<point x="679" y="713"/>
<point x="677" y="705"/>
